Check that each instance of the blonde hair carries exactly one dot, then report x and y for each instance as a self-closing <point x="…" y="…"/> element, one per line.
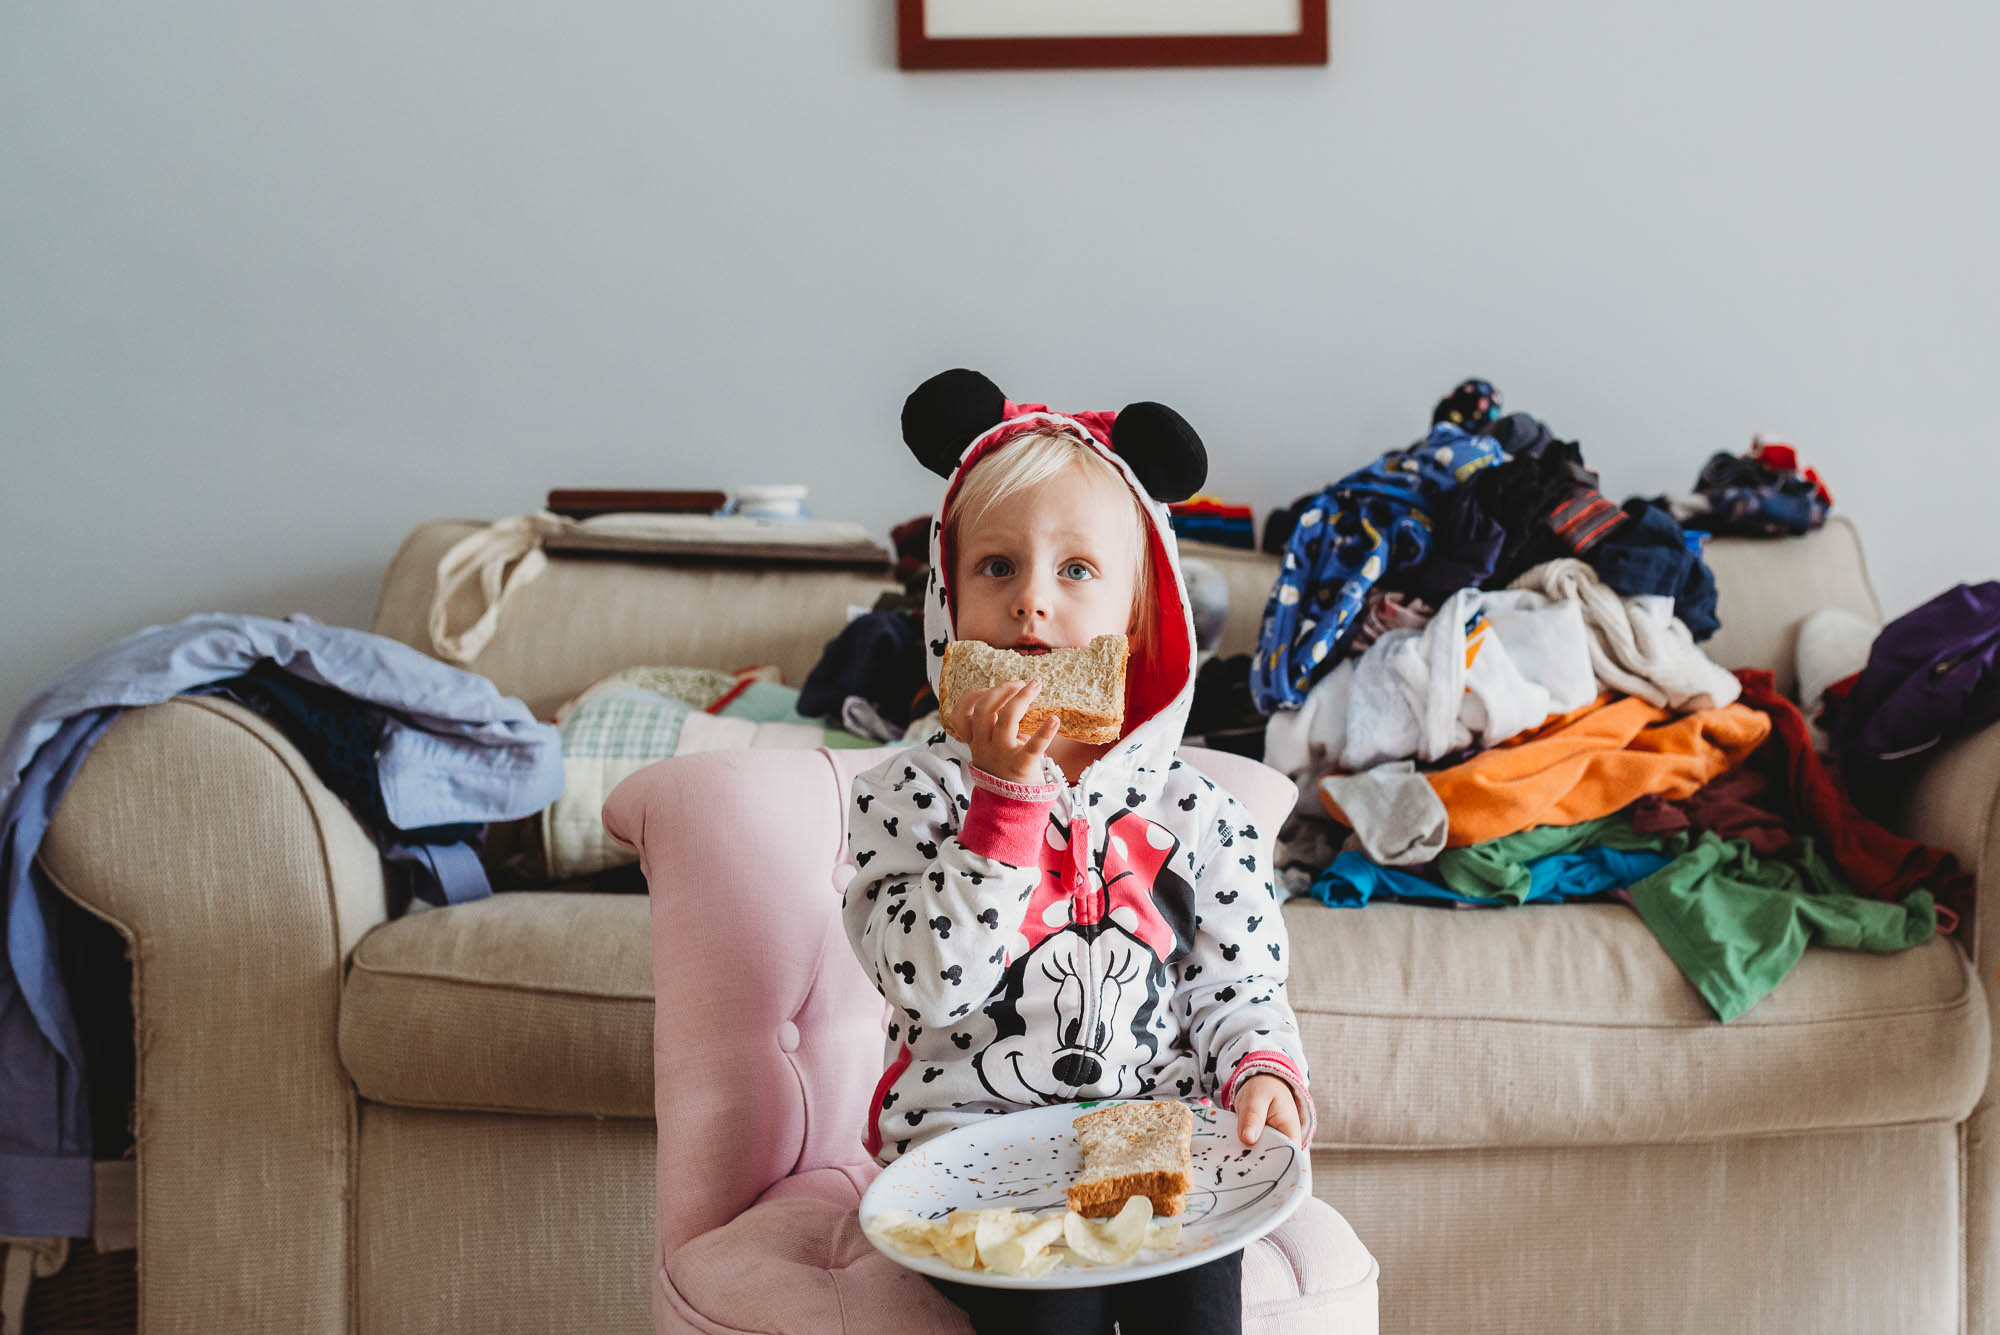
<point x="1028" y="461"/>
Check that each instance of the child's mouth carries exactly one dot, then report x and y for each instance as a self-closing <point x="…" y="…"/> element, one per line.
<point x="1031" y="647"/>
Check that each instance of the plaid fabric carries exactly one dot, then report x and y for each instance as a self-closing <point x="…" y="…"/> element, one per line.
<point x="624" y="724"/>
<point x="692" y="686"/>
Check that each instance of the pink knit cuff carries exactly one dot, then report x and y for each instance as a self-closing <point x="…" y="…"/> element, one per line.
<point x="1268" y="1062"/>
<point x="1006" y="821"/>
<point x="1026" y="792"/>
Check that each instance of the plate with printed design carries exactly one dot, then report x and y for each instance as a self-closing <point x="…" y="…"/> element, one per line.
<point x="1024" y="1161"/>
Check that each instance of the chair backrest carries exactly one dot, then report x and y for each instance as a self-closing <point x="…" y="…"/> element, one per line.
<point x="768" y="1037"/>
<point x="766" y="1033"/>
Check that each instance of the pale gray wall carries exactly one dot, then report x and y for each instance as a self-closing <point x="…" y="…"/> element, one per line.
<point x="279" y="280"/>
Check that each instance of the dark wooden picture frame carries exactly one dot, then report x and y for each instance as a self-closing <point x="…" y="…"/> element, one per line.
<point x="916" y="51"/>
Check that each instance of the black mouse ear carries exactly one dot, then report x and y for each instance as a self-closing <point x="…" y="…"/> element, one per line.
<point x="944" y="414"/>
<point x="1162" y="449"/>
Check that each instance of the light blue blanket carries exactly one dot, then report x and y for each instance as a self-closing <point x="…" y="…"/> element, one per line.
<point x="454" y="751"/>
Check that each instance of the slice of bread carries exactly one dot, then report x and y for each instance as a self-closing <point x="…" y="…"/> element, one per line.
<point x="1084" y="687"/>
<point x="1135" y="1149"/>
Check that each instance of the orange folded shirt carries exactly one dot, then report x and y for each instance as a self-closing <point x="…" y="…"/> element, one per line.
<point x="1590" y="763"/>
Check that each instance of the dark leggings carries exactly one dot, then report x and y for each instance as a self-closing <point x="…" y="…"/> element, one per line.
<point x="1206" y="1298"/>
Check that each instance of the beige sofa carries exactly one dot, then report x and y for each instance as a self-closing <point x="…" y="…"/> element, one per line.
<point x="444" y="1122"/>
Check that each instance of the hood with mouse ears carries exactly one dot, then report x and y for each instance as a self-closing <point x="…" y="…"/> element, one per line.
<point x="957" y="418"/>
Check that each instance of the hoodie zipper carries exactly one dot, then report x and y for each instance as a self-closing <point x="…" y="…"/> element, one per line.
<point x="1079" y="903"/>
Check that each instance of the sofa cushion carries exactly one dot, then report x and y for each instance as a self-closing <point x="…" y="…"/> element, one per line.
<point x="1568" y="1025"/>
<point x="1553" y="1025"/>
<point x="538" y="1002"/>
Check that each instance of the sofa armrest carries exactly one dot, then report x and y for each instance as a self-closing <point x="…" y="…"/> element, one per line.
<point x="240" y="883"/>
<point x="1953" y="806"/>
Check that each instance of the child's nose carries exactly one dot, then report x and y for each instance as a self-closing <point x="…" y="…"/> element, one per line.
<point x="1032" y="599"/>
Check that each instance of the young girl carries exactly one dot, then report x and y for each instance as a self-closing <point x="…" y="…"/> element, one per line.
<point x="1054" y="921"/>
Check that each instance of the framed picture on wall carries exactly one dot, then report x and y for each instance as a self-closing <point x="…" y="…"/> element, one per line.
<point x="1047" y="34"/>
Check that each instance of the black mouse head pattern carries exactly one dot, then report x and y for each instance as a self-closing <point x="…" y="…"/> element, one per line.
<point x="952" y="409"/>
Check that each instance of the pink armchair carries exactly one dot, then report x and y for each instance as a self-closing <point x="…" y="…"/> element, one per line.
<point x="767" y="1043"/>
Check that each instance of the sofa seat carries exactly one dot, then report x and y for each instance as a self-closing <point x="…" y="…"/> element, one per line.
<point x="1567" y="1025"/>
<point x="530" y="1002"/>
<point x="1555" y="1025"/>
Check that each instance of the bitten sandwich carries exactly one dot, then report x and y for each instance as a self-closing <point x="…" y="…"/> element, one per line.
<point x="1083" y="687"/>
<point x="1135" y="1149"/>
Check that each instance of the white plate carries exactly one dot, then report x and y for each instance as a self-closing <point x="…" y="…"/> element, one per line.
<point x="1026" y="1159"/>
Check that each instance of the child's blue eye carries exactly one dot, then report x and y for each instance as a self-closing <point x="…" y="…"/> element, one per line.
<point x="1078" y="570"/>
<point x="998" y="566"/>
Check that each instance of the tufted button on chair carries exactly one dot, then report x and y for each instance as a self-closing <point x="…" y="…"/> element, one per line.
<point x="768" y="1040"/>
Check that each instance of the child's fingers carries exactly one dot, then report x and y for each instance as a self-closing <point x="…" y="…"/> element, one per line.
<point x="1007" y="726"/>
<point x="1250" y="1118"/>
<point x="1038" y="741"/>
<point x="987" y="706"/>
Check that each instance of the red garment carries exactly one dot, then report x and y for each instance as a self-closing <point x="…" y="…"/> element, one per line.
<point x="1735" y="806"/>
<point x="1209" y="508"/>
<point x="1880" y="863"/>
<point x="1778" y="454"/>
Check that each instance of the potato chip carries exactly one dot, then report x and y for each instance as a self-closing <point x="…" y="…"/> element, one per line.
<point x="994" y="1227"/>
<point x="1127" y="1229"/>
<point x="1007" y="1241"/>
<point x="895" y="1221"/>
<point x="1044" y="1263"/>
<point x="1115" y="1240"/>
<point x="911" y="1244"/>
<point x="959" y="1249"/>
<point x="905" y="1232"/>
<point x="1015" y="1254"/>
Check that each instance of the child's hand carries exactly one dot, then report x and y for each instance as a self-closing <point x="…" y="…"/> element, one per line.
<point x="990" y="721"/>
<point x="1266" y="1098"/>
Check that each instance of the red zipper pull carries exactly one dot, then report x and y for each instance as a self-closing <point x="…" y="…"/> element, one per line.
<point x="1083" y="906"/>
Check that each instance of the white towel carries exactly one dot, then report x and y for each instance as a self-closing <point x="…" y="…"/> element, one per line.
<point x="1487" y="668"/>
<point x="1306" y="742"/>
<point x="1637" y="644"/>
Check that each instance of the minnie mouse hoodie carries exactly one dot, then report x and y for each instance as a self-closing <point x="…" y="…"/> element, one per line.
<point x="1049" y="943"/>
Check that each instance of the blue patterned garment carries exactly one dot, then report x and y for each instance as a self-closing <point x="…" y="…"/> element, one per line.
<point x="1372" y="521"/>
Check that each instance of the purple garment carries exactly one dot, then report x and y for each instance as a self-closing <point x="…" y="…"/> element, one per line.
<point x="1931" y="677"/>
